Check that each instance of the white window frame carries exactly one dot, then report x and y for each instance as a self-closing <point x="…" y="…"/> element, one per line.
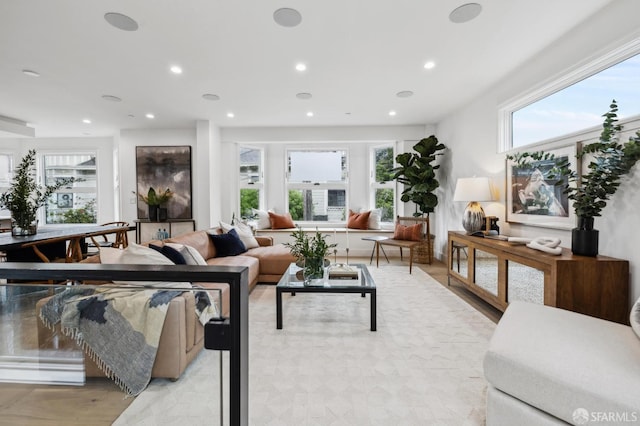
<point x="559" y="82"/>
<point x="337" y="185"/>
<point x="41" y="173"/>
<point x="374" y="185"/>
<point x="260" y="185"/>
<point x="4" y="187"/>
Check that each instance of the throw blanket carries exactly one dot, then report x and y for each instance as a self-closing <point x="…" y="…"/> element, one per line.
<point x="118" y="328"/>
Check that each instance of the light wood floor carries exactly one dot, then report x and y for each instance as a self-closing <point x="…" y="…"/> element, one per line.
<point x="100" y="401"/>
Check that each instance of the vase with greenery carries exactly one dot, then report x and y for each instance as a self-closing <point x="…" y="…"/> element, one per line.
<point x="311" y="253"/>
<point x="417" y="173"/>
<point x="610" y="160"/>
<point x="25" y="196"/>
<point x="154" y="199"/>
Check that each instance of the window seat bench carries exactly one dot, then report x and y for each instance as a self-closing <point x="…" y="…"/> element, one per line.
<point x="352" y="239"/>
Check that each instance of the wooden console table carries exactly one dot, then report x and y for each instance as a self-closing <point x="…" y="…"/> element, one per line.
<point x="595" y="286"/>
<point x="146" y="229"/>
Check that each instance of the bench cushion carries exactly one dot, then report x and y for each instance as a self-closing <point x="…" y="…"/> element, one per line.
<point x="559" y="361"/>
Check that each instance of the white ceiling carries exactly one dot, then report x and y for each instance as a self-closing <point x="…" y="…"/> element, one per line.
<point x="359" y="55"/>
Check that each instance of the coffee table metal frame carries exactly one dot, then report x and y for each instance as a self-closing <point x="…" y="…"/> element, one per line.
<point x="290" y="284"/>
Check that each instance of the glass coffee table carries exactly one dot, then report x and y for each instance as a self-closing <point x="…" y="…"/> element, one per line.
<point x="292" y="282"/>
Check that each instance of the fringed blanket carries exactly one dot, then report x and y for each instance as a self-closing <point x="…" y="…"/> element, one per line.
<point x="119" y="328"/>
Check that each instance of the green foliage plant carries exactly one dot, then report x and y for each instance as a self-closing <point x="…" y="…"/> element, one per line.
<point x="25" y="196"/>
<point x="610" y="160"/>
<point x="304" y="246"/>
<point x="417" y="173"/>
<point x="156" y="198"/>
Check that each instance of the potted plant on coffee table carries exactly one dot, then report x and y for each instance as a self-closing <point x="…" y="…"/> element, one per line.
<point x="311" y="253"/>
<point x="610" y="160"/>
<point x="25" y="196"/>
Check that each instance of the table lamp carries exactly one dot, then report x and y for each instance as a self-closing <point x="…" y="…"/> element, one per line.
<point x="473" y="190"/>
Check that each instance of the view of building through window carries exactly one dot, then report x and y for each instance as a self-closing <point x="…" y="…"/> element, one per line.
<point x="77" y="202"/>
<point x="251" y="182"/>
<point x="580" y="105"/>
<point x="382" y="183"/>
<point x="317" y="185"/>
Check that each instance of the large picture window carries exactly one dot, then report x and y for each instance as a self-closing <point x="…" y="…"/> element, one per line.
<point x="317" y="185"/>
<point x="6" y="170"/>
<point x="75" y="203"/>
<point x="576" y="101"/>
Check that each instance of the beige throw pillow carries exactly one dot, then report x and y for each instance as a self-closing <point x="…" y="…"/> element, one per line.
<point x="634" y="317"/>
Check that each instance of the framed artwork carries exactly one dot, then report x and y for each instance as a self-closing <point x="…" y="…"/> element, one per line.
<point x="162" y="167"/>
<point x="534" y="199"/>
<point x="64" y="200"/>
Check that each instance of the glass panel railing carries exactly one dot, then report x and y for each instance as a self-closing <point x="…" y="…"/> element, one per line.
<point x="53" y="336"/>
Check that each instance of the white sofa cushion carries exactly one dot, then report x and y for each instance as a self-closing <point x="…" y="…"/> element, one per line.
<point x="559" y="361"/>
<point x="634" y="317"/>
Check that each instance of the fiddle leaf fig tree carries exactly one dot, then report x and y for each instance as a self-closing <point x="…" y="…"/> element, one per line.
<point x="416" y="171"/>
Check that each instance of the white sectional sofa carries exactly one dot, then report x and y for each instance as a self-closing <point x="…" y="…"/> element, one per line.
<point x="549" y="366"/>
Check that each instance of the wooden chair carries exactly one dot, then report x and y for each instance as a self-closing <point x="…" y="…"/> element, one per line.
<point x="121" y="239"/>
<point x="411" y="245"/>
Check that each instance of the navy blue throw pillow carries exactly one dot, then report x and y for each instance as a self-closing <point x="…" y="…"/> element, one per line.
<point x="170" y="253"/>
<point x="228" y="244"/>
<point x="173" y="255"/>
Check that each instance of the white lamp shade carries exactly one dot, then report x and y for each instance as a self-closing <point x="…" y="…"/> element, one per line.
<point x="472" y="189"/>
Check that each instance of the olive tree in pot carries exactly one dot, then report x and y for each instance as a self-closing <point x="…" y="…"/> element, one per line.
<point x="417" y="173"/>
<point x="609" y="161"/>
<point x="26" y="196"/>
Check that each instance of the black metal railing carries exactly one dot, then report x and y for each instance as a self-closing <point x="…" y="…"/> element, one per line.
<point x="236" y="329"/>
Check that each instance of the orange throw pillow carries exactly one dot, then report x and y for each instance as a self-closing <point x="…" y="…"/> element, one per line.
<point x="408" y="233"/>
<point x="358" y="220"/>
<point x="281" y="221"/>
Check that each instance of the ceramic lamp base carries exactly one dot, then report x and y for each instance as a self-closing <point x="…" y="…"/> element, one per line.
<point x="473" y="219"/>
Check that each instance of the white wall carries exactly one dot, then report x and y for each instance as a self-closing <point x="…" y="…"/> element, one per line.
<point x="471" y="134"/>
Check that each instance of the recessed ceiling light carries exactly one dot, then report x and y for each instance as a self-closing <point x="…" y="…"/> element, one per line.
<point x="404" y="94"/>
<point x="301" y="67"/>
<point x="303" y="95"/>
<point x="287" y="17"/>
<point x="150" y="116"/>
<point x="111" y="98"/>
<point x="310" y="114"/>
<point x="176" y="69"/>
<point x="392" y="113"/>
<point x="465" y="13"/>
<point x="86" y="121"/>
<point x="120" y="21"/>
<point x="31" y="73"/>
<point x="230" y="115"/>
<point x="211" y="97"/>
<point x="429" y="65"/>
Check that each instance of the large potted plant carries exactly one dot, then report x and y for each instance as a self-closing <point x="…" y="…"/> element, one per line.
<point x="25" y="196"/>
<point x="610" y="160"/>
<point x="416" y="172"/>
<point x="311" y="253"/>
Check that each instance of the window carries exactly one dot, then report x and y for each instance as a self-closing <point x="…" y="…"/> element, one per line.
<point x="317" y="185"/>
<point x="251" y="180"/>
<point x="382" y="182"/>
<point x="77" y="202"/>
<point x="6" y="170"/>
<point x="576" y="101"/>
